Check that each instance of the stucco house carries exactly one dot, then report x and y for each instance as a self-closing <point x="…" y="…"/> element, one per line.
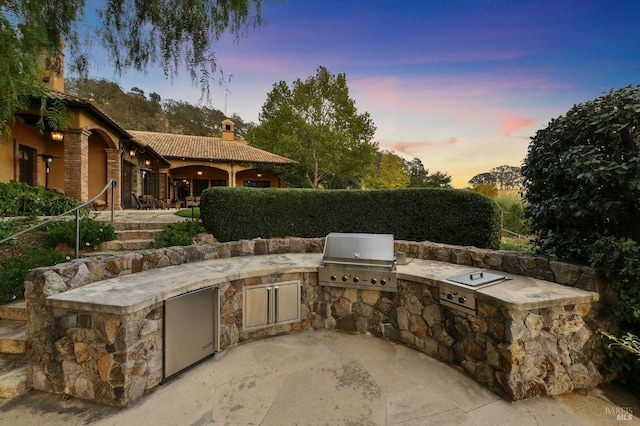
<point x="93" y="148"/>
<point x="199" y="162"/>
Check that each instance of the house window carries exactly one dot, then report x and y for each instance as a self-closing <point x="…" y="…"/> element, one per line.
<point x="199" y="185"/>
<point x="27" y="165"/>
<point x="257" y="184"/>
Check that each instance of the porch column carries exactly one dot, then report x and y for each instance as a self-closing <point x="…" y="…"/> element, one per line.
<point x="114" y="171"/>
<point x="76" y="163"/>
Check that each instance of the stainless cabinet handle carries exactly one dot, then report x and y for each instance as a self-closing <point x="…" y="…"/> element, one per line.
<point x="269" y="305"/>
<point x="275" y="303"/>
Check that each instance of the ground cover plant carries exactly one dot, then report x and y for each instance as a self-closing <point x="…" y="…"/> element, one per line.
<point x="179" y="234"/>
<point x="582" y="182"/>
<point x="14" y="269"/>
<point x="92" y="233"/>
<point x="20" y="199"/>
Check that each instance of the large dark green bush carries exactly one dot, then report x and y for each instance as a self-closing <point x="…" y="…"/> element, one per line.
<point x="20" y="199"/>
<point x="14" y="269"/>
<point x="582" y="180"/>
<point x="440" y="215"/>
<point x="92" y="233"/>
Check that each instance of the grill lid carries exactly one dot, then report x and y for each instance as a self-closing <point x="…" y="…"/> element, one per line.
<point x="357" y="247"/>
<point x="476" y="279"/>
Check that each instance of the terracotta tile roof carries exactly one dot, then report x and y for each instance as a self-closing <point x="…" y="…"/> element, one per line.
<point x="205" y="148"/>
<point x="86" y="104"/>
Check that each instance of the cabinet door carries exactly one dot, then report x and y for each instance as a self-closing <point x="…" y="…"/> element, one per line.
<point x="287" y="299"/>
<point x="257" y="309"/>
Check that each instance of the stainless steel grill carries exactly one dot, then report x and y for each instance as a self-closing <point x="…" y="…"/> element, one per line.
<point x="356" y="260"/>
<point x="459" y="292"/>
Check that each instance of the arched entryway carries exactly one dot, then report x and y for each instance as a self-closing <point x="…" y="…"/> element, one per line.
<point x="190" y="181"/>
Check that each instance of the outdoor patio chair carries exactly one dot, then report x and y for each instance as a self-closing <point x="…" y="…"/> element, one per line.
<point x="146" y="202"/>
<point x="136" y="201"/>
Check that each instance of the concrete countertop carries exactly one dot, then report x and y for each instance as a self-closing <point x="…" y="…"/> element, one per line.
<point x="130" y="293"/>
<point x="519" y="293"/>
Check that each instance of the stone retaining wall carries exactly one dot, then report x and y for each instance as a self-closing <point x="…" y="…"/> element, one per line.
<point x="117" y="358"/>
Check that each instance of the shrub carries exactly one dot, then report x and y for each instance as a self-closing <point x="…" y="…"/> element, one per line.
<point x="582" y="180"/>
<point x="441" y="215"/>
<point x="8" y="227"/>
<point x="92" y="233"/>
<point x="14" y="269"/>
<point x="516" y="245"/>
<point x="488" y="189"/>
<point x="179" y="234"/>
<point x="20" y="199"/>
<point x="513" y="207"/>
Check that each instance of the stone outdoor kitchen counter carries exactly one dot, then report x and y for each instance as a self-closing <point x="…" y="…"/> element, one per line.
<point x="131" y="293"/>
<point x="534" y="334"/>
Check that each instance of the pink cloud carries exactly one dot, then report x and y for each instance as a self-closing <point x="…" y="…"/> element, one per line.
<point x="412" y="148"/>
<point x="512" y="124"/>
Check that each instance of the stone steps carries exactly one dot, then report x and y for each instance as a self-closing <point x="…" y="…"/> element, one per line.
<point x="125" y="245"/>
<point x="132" y="236"/>
<point x="13" y="342"/>
<point x="16" y="310"/>
<point x="138" y="234"/>
<point x="13" y="338"/>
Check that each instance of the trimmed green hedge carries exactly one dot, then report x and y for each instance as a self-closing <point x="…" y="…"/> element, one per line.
<point x="449" y="216"/>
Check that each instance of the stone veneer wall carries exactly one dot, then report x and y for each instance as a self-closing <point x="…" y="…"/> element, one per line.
<point x="114" y="359"/>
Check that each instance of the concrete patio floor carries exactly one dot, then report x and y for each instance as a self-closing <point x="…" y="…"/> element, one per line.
<point x="326" y="378"/>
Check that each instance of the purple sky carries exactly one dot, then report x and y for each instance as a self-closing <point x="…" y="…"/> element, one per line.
<point x="460" y="84"/>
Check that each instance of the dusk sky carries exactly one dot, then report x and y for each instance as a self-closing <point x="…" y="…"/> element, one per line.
<point x="460" y="84"/>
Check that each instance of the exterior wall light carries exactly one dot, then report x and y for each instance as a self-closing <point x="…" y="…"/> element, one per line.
<point x="57" y="137"/>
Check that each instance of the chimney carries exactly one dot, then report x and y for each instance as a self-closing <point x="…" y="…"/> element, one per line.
<point x="53" y="75"/>
<point x="228" y="130"/>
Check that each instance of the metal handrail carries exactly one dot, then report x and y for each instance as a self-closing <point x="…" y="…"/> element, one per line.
<point x="523" y="237"/>
<point x="112" y="183"/>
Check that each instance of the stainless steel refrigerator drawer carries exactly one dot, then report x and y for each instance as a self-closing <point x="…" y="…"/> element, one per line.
<point x="191" y="329"/>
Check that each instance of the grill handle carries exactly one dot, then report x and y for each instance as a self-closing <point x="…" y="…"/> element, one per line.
<point x="368" y="265"/>
<point x="476" y="276"/>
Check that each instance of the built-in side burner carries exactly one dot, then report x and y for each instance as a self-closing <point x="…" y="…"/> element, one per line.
<point x="459" y="292"/>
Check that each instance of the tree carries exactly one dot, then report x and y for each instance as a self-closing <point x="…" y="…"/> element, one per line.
<point x="419" y="176"/>
<point x="135" y="34"/>
<point x="316" y="123"/>
<point x="185" y="118"/>
<point x="134" y="111"/>
<point x="483" y="179"/>
<point x="582" y="182"/>
<point x="389" y="172"/>
<point x="488" y="189"/>
<point x="505" y="177"/>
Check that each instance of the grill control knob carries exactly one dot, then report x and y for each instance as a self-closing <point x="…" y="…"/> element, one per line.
<point x="462" y="299"/>
<point x="333" y="277"/>
<point x="373" y="281"/>
<point x="345" y="278"/>
<point x="450" y="296"/>
<point x="356" y="279"/>
<point x="383" y="281"/>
